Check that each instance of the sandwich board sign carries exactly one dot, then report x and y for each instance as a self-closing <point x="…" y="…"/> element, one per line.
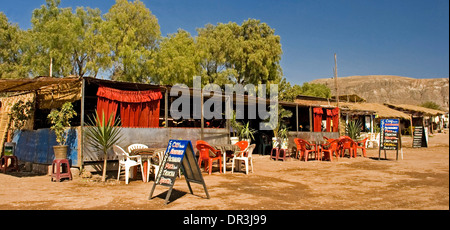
<point x="179" y="155"/>
<point x="389" y="136"/>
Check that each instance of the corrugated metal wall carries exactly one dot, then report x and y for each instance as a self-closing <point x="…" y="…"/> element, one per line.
<point x="157" y="138"/>
<point x="36" y="146"/>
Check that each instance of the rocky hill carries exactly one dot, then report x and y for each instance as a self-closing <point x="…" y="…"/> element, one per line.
<point x="393" y="89"/>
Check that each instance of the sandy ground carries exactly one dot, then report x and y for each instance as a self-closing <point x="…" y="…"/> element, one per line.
<point x="418" y="182"/>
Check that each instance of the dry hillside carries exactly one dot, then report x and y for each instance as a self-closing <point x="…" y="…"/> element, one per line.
<point x="393" y="89"/>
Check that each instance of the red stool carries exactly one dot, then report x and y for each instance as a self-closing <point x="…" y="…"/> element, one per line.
<point x="4" y="163"/>
<point x="274" y="154"/>
<point x="283" y="154"/>
<point x="62" y="168"/>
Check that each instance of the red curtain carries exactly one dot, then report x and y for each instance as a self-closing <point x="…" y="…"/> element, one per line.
<point x="107" y="107"/>
<point x="329" y="115"/>
<point x="137" y="108"/>
<point x="335" y="113"/>
<point x="317" y="119"/>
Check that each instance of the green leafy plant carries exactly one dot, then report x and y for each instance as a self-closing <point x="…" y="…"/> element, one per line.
<point x="283" y="132"/>
<point x="246" y="132"/>
<point x="236" y="125"/>
<point x="60" y="121"/>
<point x="353" y="129"/>
<point x="102" y="135"/>
<point x="20" y="113"/>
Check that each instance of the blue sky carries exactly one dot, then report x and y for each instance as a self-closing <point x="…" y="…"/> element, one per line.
<point x="370" y="37"/>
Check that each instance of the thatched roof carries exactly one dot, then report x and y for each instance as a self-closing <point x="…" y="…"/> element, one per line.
<point x="30" y="84"/>
<point x="381" y="110"/>
<point x="415" y="109"/>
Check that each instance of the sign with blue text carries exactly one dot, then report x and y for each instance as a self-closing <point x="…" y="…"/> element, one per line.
<point x="179" y="156"/>
<point x="389" y="135"/>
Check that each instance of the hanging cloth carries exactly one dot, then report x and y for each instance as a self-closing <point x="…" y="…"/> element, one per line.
<point x="137" y="108"/>
<point x="335" y="113"/>
<point x="317" y="119"/>
<point x="329" y="116"/>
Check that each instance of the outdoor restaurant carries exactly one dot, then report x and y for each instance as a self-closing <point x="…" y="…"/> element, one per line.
<point x="316" y="129"/>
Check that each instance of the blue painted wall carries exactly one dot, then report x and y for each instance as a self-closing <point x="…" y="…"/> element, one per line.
<point x="36" y="146"/>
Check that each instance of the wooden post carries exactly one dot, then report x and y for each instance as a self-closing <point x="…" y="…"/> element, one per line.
<point x="335" y="81"/>
<point x="83" y="96"/>
<point x="296" y="116"/>
<point x="202" y="120"/>
<point x="310" y="119"/>
<point x="166" y="108"/>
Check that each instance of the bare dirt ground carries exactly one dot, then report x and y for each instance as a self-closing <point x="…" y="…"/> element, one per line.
<point x="418" y="182"/>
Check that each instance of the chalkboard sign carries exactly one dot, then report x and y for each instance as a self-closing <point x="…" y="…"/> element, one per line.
<point x="179" y="155"/>
<point x="389" y="136"/>
<point x="419" y="137"/>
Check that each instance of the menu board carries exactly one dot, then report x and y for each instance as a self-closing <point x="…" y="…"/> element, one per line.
<point x="419" y="137"/>
<point x="179" y="155"/>
<point x="389" y="136"/>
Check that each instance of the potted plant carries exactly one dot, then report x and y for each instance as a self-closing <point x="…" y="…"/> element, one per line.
<point x="353" y="129"/>
<point x="284" y="137"/>
<point x="246" y="133"/>
<point x="282" y="113"/>
<point x="60" y="125"/>
<point x="102" y="135"/>
<point x="20" y="113"/>
<point x="236" y="126"/>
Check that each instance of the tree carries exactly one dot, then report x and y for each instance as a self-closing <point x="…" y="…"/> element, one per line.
<point x="176" y="60"/>
<point x="102" y="135"/>
<point x="11" y="50"/>
<point x="70" y="42"/>
<point x="431" y="105"/>
<point x="90" y="51"/>
<point x="242" y="54"/>
<point x="132" y="33"/>
<point x="258" y="58"/>
<point x="289" y="93"/>
<point x="216" y="44"/>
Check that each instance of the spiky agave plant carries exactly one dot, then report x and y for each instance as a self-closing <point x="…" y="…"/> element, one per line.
<point x="353" y="129"/>
<point x="102" y="135"/>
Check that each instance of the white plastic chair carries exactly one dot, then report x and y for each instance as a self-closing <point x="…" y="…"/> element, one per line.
<point x="156" y="167"/>
<point x="246" y="159"/>
<point x="125" y="160"/>
<point x="136" y="146"/>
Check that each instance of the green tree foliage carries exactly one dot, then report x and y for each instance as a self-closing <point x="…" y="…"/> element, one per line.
<point x="289" y="93"/>
<point x="70" y="41"/>
<point x="132" y="32"/>
<point x="246" y="54"/>
<point x="10" y="50"/>
<point x="176" y="60"/>
<point x="126" y="43"/>
<point x="431" y="105"/>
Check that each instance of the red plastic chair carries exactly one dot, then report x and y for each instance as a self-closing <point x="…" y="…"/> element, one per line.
<point x="361" y="145"/>
<point x="204" y="151"/>
<point x="305" y="148"/>
<point x="346" y="143"/>
<point x="243" y="145"/>
<point x="331" y="147"/>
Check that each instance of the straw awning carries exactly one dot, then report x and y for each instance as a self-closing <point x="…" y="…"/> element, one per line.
<point x="380" y="110"/>
<point x="415" y="109"/>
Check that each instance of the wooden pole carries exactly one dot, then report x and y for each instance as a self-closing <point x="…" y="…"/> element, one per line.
<point x="335" y="81"/>
<point x="51" y="64"/>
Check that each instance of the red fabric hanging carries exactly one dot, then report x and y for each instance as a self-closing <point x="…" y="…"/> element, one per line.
<point x="140" y="114"/>
<point x="107" y="107"/>
<point x="317" y="119"/>
<point x="335" y="113"/>
<point x="329" y="115"/>
<point x="129" y="96"/>
<point x="137" y="108"/>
